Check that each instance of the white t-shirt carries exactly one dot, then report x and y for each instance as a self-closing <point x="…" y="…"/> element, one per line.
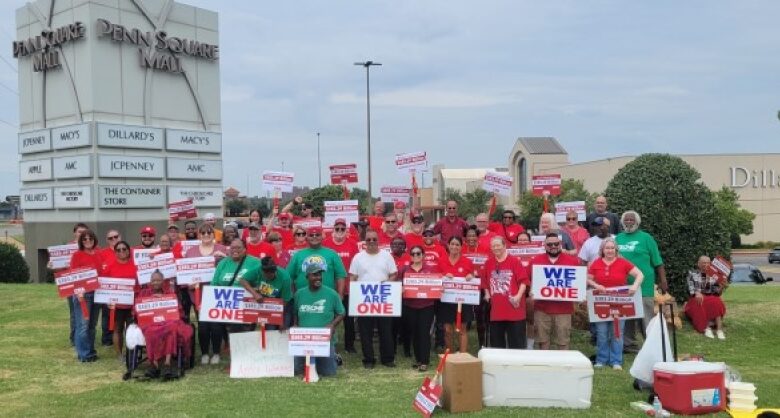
<point x="590" y="249"/>
<point x="372" y="267"/>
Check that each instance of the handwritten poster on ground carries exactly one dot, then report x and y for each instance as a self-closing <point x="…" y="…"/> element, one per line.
<point x="375" y="299"/>
<point x="248" y="360"/>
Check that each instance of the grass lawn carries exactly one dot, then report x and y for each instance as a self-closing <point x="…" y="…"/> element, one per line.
<point x="39" y="375"/>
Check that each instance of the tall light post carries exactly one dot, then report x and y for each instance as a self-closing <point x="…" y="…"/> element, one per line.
<point x="319" y="160"/>
<point x="368" y="65"/>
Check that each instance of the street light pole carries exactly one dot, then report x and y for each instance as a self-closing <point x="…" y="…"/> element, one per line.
<point x="368" y="65"/>
<point x="319" y="160"/>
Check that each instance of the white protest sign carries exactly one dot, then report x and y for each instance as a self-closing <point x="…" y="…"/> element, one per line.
<point x="278" y="181"/>
<point x="411" y="161"/>
<point x="562" y="208"/>
<point x="141" y="255"/>
<point x="375" y="299"/>
<point x="559" y="283"/>
<point x="163" y="262"/>
<point x="314" y="342"/>
<point x="187" y="244"/>
<point x="222" y="304"/>
<point x="335" y="209"/>
<point x="194" y="270"/>
<point x="115" y="290"/>
<point x="395" y="193"/>
<point x="59" y="255"/>
<point x="460" y="290"/>
<point x="497" y="183"/>
<point x="615" y="302"/>
<point x="249" y="360"/>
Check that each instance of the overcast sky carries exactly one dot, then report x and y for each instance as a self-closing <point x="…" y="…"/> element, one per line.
<point x="462" y="80"/>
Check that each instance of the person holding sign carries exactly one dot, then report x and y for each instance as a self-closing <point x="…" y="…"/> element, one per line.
<point x="478" y="254"/>
<point x="88" y="255"/>
<point x="507" y="228"/>
<point x="190" y="234"/>
<point x="552" y="317"/>
<point x="505" y="280"/>
<point x="274" y="283"/>
<point x="705" y="305"/>
<point x="455" y="265"/>
<point x="572" y="227"/>
<point x="607" y="271"/>
<point x="482" y="223"/>
<point x="123" y="268"/>
<point x="318" y="306"/>
<point x="347" y="248"/>
<point x="163" y="338"/>
<point x="417" y="314"/>
<point x="238" y="270"/>
<point x="374" y="265"/>
<point x="333" y="270"/>
<point x="415" y="234"/>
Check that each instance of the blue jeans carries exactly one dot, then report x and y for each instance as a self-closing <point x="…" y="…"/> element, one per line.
<point x="84" y="334"/>
<point x="609" y="350"/>
<point x="326" y="366"/>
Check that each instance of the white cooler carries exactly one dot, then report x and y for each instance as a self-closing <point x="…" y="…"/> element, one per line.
<point x="536" y="378"/>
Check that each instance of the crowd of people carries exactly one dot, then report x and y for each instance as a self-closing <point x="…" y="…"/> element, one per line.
<point x="294" y="259"/>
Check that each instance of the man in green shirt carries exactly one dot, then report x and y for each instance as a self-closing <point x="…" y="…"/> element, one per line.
<point x="317" y="306"/>
<point x="275" y="283"/>
<point x="641" y="249"/>
<point x="333" y="272"/>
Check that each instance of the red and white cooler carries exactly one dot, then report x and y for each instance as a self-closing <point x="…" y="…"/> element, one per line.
<point x="690" y="387"/>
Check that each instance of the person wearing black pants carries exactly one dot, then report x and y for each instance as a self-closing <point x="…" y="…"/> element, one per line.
<point x="349" y="328"/>
<point x="210" y="335"/>
<point x="386" y="343"/>
<point x="507" y="334"/>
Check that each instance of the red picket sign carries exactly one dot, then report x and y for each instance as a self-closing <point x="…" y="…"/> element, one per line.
<point x="270" y="312"/>
<point x="157" y="309"/>
<point x="76" y="281"/>
<point x="423" y="286"/>
<point x="428" y="396"/>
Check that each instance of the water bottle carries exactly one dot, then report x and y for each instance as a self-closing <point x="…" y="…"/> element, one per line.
<point x="657" y="406"/>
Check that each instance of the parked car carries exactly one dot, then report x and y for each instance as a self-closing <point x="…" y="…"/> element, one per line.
<point x="774" y="255"/>
<point x="747" y="273"/>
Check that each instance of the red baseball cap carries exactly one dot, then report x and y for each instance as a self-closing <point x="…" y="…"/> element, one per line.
<point x="314" y="230"/>
<point x="340" y="221"/>
<point x="284" y="216"/>
<point x="148" y="230"/>
<point x="399" y="205"/>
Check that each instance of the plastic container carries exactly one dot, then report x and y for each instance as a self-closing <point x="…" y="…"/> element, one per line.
<point x="538" y="378"/>
<point x="690" y="387"/>
<point x="742" y="396"/>
<point x="741" y="389"/>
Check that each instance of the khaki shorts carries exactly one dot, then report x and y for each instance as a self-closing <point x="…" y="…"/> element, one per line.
<point x="558" y="324"/>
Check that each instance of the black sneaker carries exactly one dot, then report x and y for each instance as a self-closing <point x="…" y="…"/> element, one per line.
<point x="389" y="364"/>
<point x="339" y="360"/>
<point x="152" y="373"/>
<point x="369" y="365"/>
<point x="169" y="374"/>
<point x="350" y="350"/>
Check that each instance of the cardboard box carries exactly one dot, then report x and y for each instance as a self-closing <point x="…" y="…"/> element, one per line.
<point x="462" y="383"/>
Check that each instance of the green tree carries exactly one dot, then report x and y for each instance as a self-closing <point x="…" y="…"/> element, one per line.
<point x="677" y="209"/>
<point x="13" y="268"/>
<point x="317" y="196"/>
<point x="531" y="206"/>
<point x="263" y="204"/>
<point x="235" y="207"/>
<point x="737" y="221"/>
<point x="366" y="203"/>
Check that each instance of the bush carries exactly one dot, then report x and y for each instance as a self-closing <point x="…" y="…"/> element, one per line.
<point x="676" y="208"/>
<point x="13" y="268"/>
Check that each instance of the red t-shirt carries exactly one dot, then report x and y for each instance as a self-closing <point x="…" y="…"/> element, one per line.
<point x="417" y="303"/>
<point x="375" y="222"/>
<point x="287" y="236"/>
<point x="461" y="268"/>
<point x="548" y="306"/>
<point x="610" y="275"/>
<point x="433" y="253"/>
<point x="478" y="256"/>
<point x="404" y="260"/>
<point x="413" y="239"/>
<point x="83" y="259"/>
<point x="386" y="240"/>
<point x="578" y="236"/>
<point x="509" y="233"/>
<point x="448" y="229"/>
<point x="123" y="271"/>
<point x="261" y="249"/>
<point x="484" y="239"/>
<point x="108" y="256"/>
<point x="346" y="251"/>
<point x="502" y="280"/>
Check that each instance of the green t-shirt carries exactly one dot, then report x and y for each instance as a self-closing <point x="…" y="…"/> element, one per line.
<point x="327" y="259"/>
<point x="250" y="271"/>
<point x="317" y="309"/>
<point x="640" y="248"/>
<point x="279" y="287"/>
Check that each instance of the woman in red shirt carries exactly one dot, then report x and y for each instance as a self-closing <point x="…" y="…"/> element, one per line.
<point x="88" y="256"/>
<point x="417" y="314"/>
<point x="505" y="281"/>
<point x="455" y="265"/>
<point x="255" y="217"/>
<point x="122" y="268"/>
<point x="478" y="254"/>
<point x="606" y="272"/>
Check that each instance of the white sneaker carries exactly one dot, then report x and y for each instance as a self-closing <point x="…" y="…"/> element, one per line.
<point x="721" y="335"/>
<point x="204" y="360"/>
<point x="708" y="333"/>
<point x="617" y="367"/>
<point x="215" y="359"/>
<point x="598" y="365"/>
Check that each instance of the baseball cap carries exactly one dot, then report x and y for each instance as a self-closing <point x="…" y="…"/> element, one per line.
<point x="428" y="232"/>
<point x="598" y="221"/>
<point x="209" y="217"/>
<point x="285" y="216"/>
<point x="267" y="264"/>
<point x="399" y="205"/>
<point x="254" y="225"/>
<point x="314" y="230"/>
<point x="173" y="226"/>
<point x="148" y="230"/>
<point x="314" y="268"/>
<point x="340" y="221"/>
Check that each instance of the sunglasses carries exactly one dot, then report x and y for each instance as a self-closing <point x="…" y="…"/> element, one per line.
<point x="553" y="244"/>
<point x="300" y="234"/>
<point x="452" y="208"/>
<point x="87" y="238"/>
<point x="274" y="240"/>
<point x="340" y="229"/>
<point x="207" y="232"/>
<point x="122" y="249"/>
<point x="418" y="221"/>
<point x="416" y="253"/>
<point x="390" y="222"/>
<point x="571" y="219"/>
<point x="147" y="236"/>
<point x="314" y="235"/>
<point x="509" y="217"/>
<point x="372" y="239"/>
<point x="113" y="237"/>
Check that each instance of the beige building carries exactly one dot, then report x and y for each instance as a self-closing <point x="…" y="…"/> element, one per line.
<point x="755" y="177"/>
